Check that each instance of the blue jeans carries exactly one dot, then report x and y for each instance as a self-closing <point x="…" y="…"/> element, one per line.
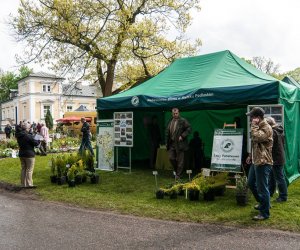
<point x="252" y="182"/>
<point x="277" y="177"/>
<point x="86" y="144"/>
<point x="262" y="173"/>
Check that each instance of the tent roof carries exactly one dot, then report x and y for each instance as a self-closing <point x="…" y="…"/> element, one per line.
<point x="194" y="82"/>
<point x="291" y="80"/>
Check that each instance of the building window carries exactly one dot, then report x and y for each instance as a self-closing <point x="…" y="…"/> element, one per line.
<point x="47" y="88"/>
<point x="69" y="108"/>
<point x="45" y="109"/>
<point x="24" y="112"/>
<point x="3" y="114"/>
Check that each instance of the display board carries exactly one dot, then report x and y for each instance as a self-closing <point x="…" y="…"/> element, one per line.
<point x="227" y="150"/>
<point x="123" y="129"/>
<point x="274" y="110"/>
<point x="105" y="144"/>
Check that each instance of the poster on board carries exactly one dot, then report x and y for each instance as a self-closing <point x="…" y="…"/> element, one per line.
<point x="227" y="150"/>
<point x="105" y="144"/>
<point x="123" y="129"/>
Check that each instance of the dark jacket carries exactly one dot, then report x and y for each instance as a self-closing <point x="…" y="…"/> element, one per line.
<point x="183" y="129"/>
<point x="7" y="130"/>
<point x="26" y="144"/>
<point x="85" y="129"/>
<point x="278" y="146"/>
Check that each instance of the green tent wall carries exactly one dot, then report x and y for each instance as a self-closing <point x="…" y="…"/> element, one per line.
<point x="209" y="90"/>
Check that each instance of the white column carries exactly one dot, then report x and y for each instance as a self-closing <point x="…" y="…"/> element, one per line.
<point x="32" y="115"/>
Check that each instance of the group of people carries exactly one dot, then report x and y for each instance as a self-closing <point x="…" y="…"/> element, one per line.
<point x="267" y="159"/>
<point x="29" y="136"/>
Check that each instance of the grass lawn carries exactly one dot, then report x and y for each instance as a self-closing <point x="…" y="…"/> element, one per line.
<point x="134" y="193"/>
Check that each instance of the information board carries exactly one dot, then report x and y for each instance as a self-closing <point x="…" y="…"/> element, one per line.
<point x="123" y="129"/>
<point x="227" y="150"/>
<point x="105" y="144"/>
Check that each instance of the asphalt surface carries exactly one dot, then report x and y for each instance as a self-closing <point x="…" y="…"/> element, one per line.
<point x="26" y="223"/>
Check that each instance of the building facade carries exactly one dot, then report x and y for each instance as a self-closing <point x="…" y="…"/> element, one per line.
<point x="40" y="92"/>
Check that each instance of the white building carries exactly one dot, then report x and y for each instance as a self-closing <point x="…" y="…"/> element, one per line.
<point x="39" y="92"/>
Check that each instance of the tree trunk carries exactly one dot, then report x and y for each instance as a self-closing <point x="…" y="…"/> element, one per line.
<point x="109" y="79"/>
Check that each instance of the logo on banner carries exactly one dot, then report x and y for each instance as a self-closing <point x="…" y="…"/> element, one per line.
<point x="227" y="145"/>
<point x="135" y="101"/>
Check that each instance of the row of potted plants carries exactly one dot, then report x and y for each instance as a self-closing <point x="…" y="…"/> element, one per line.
<point x="208" y="186"/>
<point x="73" y="169"/>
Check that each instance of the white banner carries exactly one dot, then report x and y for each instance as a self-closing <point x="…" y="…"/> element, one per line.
<point x="227" y="150"/>
<point x="105" y="144"/>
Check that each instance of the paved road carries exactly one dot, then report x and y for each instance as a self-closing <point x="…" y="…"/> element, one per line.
<point x="30" y="224"/>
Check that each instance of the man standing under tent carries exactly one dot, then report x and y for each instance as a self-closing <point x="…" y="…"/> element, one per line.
<point x="177" y="132"/>
<point x="261" y="154"/>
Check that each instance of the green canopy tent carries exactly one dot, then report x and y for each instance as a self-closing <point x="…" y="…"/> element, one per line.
<point x="291" y="80"/>
<point x="211" y="89"/>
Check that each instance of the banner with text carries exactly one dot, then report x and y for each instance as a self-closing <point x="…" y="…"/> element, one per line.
<point x="227" y="150"/>
<point x="105" y="144"/>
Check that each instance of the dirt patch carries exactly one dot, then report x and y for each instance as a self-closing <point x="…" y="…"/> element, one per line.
<point x="17" y="190"/>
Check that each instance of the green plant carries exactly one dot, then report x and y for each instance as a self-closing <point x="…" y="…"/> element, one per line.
<point x="60" y="165"/>
<point x="71" y="172"/>
<point x="49" y="120"/>
<point x="53" y="166"/>
<point x="192" y="185"/>
<point x="241" y="185"/>
<point x="12" y="143"/>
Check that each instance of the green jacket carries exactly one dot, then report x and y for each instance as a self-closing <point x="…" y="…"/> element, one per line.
<point x="262" y="143"/>
<point x="183" y="129"/>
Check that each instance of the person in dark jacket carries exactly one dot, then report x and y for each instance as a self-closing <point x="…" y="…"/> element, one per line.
<point x="177" y="132"/>
<point x="196" y="149"/>
<point x="26" y="154"/>
<point x="277" y="174"/>
<point x="155" y="140"/>
<point x="86" y="137"/>
<point x="7" y="131"/>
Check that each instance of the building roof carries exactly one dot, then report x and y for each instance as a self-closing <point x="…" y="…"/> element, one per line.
<point x="42" y="74"/>
<point x="80" y="90"/>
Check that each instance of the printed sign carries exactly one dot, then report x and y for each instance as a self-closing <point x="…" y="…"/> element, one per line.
<point x="123" y="129"/>
<point x="227" y="150"/>
<point x="105" y="143"/>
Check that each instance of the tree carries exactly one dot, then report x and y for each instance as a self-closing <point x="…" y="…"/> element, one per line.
<point x="108" y="40"/>
<point x="265" y="65"/>
<point x="294" y="73"/>
<point x="49" y="120"/>
<point x="9" y="80"/>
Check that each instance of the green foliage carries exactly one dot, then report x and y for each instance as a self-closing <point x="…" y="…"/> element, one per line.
<point x="106" y="40"/>
<point x="8" y="143"/>
<point x="88" y="160"/>
<point x="241" y="185"/>
<point x="294" y="73"/>
<point x="71" y="172"/>
<point x="49" y="120"/>
<point x="8" y="80"/>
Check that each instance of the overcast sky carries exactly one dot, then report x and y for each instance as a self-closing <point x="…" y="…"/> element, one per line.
<point x="248" y="28"/>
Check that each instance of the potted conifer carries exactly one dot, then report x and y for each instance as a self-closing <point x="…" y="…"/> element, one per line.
<point x="241" y="190"/>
